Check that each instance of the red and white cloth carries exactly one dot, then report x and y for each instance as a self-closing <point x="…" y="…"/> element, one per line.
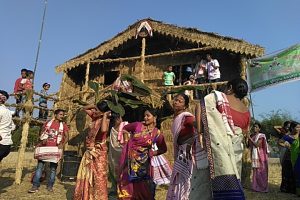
<point x="255" y="150"/>
<point x="48" y="154"/>
<point x="53" y="136"/>
<point x="224" y="108"/>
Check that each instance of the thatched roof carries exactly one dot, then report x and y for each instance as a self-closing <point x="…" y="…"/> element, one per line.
<point x="191" y="35"/>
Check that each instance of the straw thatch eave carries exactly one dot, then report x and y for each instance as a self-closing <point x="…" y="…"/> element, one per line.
<point x="188" y="34"/>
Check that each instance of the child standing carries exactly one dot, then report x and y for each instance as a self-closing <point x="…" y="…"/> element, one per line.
<point x="169" y="77"/>
<point x="43" y="114"/>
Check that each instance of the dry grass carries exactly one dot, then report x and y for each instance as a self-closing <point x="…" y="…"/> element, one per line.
<point x="62" y="191"/>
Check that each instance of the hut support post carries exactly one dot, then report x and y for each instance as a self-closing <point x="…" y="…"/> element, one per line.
<point x="86" y="84"/>
<point x="243" y="68"/>
<point x="180" y="75"/>
<point x="143" y="59"/>
<point x="19" y="167"/>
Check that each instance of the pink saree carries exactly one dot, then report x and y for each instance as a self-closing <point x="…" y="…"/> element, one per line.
<point x="134" y="163"/>
<point x="260" y="164"/>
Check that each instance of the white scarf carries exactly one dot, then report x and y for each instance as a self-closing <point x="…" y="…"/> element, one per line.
<point x="44" y="135"/>
<point x="255" y="150"/>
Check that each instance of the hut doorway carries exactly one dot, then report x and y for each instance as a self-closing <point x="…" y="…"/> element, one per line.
<point x="110" y="77"/>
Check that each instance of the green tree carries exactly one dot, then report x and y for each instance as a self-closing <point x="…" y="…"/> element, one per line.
<point x="33" y="137"/>
<point x="274" y="118"/>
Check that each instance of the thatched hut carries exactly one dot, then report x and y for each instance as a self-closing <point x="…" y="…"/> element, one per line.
<point x="146" y="56"/>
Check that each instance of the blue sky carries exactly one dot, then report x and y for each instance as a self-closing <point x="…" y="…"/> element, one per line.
<point x="74" y="26"/>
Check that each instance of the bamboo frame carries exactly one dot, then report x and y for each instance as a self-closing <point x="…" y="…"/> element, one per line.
<point x="172" y="53"/>
<point x="180" y="75"/>
<point x="191" y="35"/>
<point x="86" y="84"/>
<point x="143" y="59"/>
<point x="169" y="88"/>
<point x="19" y="167"/>
<point x="243" y="65"/>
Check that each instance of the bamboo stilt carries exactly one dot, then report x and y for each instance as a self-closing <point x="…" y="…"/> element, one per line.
<point x="143" y="59"/>
<point x="86" y="84"/>
<point x="19" y="167"/>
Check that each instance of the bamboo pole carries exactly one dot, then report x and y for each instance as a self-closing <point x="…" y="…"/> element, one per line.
<point x="28" y="106"/>
<point x="86" y="84"/>
<point x="143" y="59"/>
<point x="171" y="53"/>
<point x="243" y="66"/>
<point x="169" y="88"/>
<point x="180" y="75"/>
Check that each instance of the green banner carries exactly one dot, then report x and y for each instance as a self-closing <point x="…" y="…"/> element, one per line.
<point x="274" y="69"/>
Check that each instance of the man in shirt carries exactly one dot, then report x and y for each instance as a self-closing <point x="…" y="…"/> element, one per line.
<point x="200" y="70"/>
<point x="43" y="113"/>
<point x="213" y="70"/>
<point x="6" y="126"/>
<point x="54" y="134"/>
<point x="169" y="77"/>
<point x="19" y="90"/>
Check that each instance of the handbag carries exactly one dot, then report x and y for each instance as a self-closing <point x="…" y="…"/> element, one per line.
<point x="48" y="153"/>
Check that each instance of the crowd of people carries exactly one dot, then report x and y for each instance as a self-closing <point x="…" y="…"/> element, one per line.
<point x="205" y="71"/>
<point x="208" y="151"/>
<point x="25" y="83"/>
<point x="289" y="157"/>
<point x="209" y="147"/>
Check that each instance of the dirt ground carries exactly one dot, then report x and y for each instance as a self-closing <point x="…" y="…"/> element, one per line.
<point x="64" y="190"/>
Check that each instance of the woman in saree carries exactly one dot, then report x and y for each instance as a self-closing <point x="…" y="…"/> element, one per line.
<point x="184" y="138"/>
<point x="116" y="142"/>
<point x="287" y="175"/>
<point x="135" y="182"/>
<point x="92" y="173"/>
<point x="259" y="157"/>
<point x="222" y="118"/>
<point x="292" y="142"/>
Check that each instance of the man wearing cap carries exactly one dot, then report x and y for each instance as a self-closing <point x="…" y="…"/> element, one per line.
<point x="6" y="126"/>
<point x="43" y="114"/>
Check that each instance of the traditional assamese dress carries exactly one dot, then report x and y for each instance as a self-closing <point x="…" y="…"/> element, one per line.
<point x="135" y="180"/>
<point x="295" y="159"/>
<point x="224" y="145"/>
<point x="187" y="156"/>
<point x="91" y="181"/>
<point x="259" y="159"/>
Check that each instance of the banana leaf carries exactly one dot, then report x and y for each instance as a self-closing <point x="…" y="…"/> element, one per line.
<point x="117" y="108"/>
<point x="137" y="84"/>
<point x="94" y="85"/>
<point x="131" y="103"/>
